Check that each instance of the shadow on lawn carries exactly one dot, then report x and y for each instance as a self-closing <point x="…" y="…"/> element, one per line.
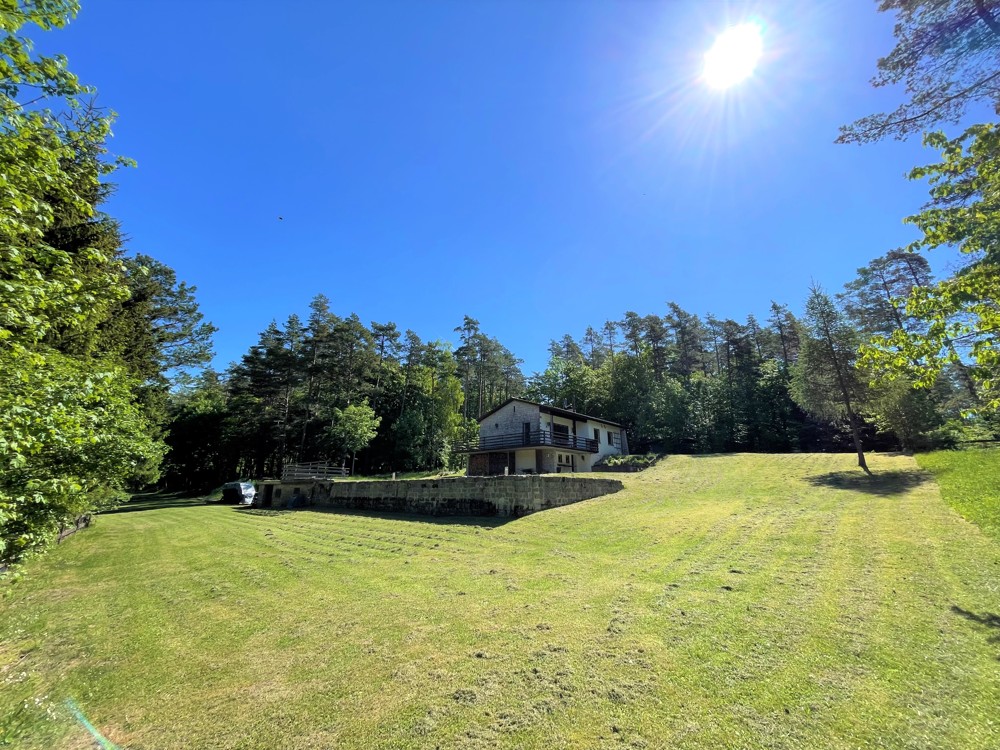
<point x="883" y="483"/>
<point x="155" y="501"/>
<point x="987" y="620"/>
<point x="486" y="522"/>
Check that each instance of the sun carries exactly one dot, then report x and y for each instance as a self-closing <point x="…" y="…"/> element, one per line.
<point x="734" y="56"/>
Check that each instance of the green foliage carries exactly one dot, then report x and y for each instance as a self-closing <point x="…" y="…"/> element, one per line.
<point x="490" y="373"/>
<point x="51" y="164"/>
<point x="959" y="317"/>
<point x="679" y="384"/>
<point x="75" y="427"/>
<point x="18" y="69"/>
<point x="158" y="330"/>
<point x="968" y="429"/>
<point x="911" y="415"/>
<point x="286" y="401"/>
<point x="353" y="428"/>
<point x="875" y="304"/>
<point x="47" y="167"/>
<point x="946" y="57"/>
<point x="825" y="381"/>
<point x="71" y="438"/>
<point x="874" y="299"/>
<point x="199" y="456"/>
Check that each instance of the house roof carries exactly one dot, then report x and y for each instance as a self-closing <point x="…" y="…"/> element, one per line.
<point x="546" y="409"/>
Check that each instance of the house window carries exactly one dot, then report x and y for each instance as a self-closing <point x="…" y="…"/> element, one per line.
<point x="597" y="435"/>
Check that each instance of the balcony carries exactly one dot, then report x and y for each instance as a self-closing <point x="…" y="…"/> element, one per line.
<point x="528" y="439"/>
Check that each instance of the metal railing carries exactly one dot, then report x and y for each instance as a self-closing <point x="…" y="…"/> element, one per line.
<point x="528" y="439"/>
<point x="313" y="470"/>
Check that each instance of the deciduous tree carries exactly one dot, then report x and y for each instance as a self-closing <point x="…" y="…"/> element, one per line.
<point x="959" y="317"/>
<point x="72" y="436"/>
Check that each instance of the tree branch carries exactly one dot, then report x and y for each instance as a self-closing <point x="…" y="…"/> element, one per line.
<point x="987" y="17"/>
<point x="884" y="126"/>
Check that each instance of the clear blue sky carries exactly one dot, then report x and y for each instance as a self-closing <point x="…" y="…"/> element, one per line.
<point x="541" y="165"/>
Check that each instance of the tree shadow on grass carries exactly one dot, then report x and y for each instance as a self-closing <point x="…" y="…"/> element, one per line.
<point x="884" y="483"/>
<point x="486" y="522"/>
<point x="155" y="501"/>
<point x="988" y="620"/>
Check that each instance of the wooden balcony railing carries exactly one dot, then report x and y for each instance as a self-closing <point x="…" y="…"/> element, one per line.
<point x="528" y="439"/>
<point x="312" y="470"/>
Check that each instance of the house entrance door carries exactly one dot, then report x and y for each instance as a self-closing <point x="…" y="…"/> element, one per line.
<point x="499" y="462"/>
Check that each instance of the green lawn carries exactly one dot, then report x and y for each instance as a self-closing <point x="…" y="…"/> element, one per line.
<point x="970" y="483"/>
<point x="741" y="601"/>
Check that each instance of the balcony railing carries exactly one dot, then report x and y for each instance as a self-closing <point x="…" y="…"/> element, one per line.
<point x="528" y="439"/>
<point x="312" y="470"/>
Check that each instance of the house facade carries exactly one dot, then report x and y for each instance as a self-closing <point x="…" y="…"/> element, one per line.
<point x="523" y="437"/>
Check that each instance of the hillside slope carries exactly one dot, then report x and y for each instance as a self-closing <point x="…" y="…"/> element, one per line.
<point x="752" y="601"/>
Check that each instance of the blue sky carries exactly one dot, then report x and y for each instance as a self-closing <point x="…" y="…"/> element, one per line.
<point x="541" y="165"/>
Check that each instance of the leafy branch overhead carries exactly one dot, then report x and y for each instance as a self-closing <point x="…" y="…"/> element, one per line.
<point x="947" y="56"/>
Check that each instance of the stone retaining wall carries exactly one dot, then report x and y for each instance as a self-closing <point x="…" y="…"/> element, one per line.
<point x="454" y="496"/>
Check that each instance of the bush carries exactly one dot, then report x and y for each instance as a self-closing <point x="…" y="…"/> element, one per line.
<point x="636" y="462"/>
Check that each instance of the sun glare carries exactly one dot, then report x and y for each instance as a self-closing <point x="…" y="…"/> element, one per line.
<point x="734" y="56"/>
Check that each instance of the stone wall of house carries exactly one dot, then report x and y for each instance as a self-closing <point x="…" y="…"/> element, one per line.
<point x="454" y="496"/>
<point x="510" y="420"/>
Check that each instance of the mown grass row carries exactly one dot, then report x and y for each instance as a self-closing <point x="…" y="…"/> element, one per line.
<point x="727" y="601"/>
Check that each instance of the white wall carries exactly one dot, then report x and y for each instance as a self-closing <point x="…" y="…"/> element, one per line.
<point x="586" y="429"/>
<point x="524" y="460"/>
<point x="605" y="448"/>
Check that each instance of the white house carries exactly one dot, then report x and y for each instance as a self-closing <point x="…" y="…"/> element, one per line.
<point x="523" y="437"/>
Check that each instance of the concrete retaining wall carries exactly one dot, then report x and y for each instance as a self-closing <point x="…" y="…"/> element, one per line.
<point x="454" y="496"/>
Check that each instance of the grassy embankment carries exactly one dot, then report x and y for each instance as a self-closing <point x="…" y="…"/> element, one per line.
<point x="733" y="601"/>
<point x="970" y="483"/>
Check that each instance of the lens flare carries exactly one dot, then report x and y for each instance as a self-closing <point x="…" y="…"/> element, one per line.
<point x="734" y="56"/>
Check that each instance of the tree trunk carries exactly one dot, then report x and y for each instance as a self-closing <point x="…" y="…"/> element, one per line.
<point x="851" y="416"/>
<point x="856" y="434"/>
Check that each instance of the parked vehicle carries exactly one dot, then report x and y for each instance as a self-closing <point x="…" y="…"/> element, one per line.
<point x="240" y="493"/>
